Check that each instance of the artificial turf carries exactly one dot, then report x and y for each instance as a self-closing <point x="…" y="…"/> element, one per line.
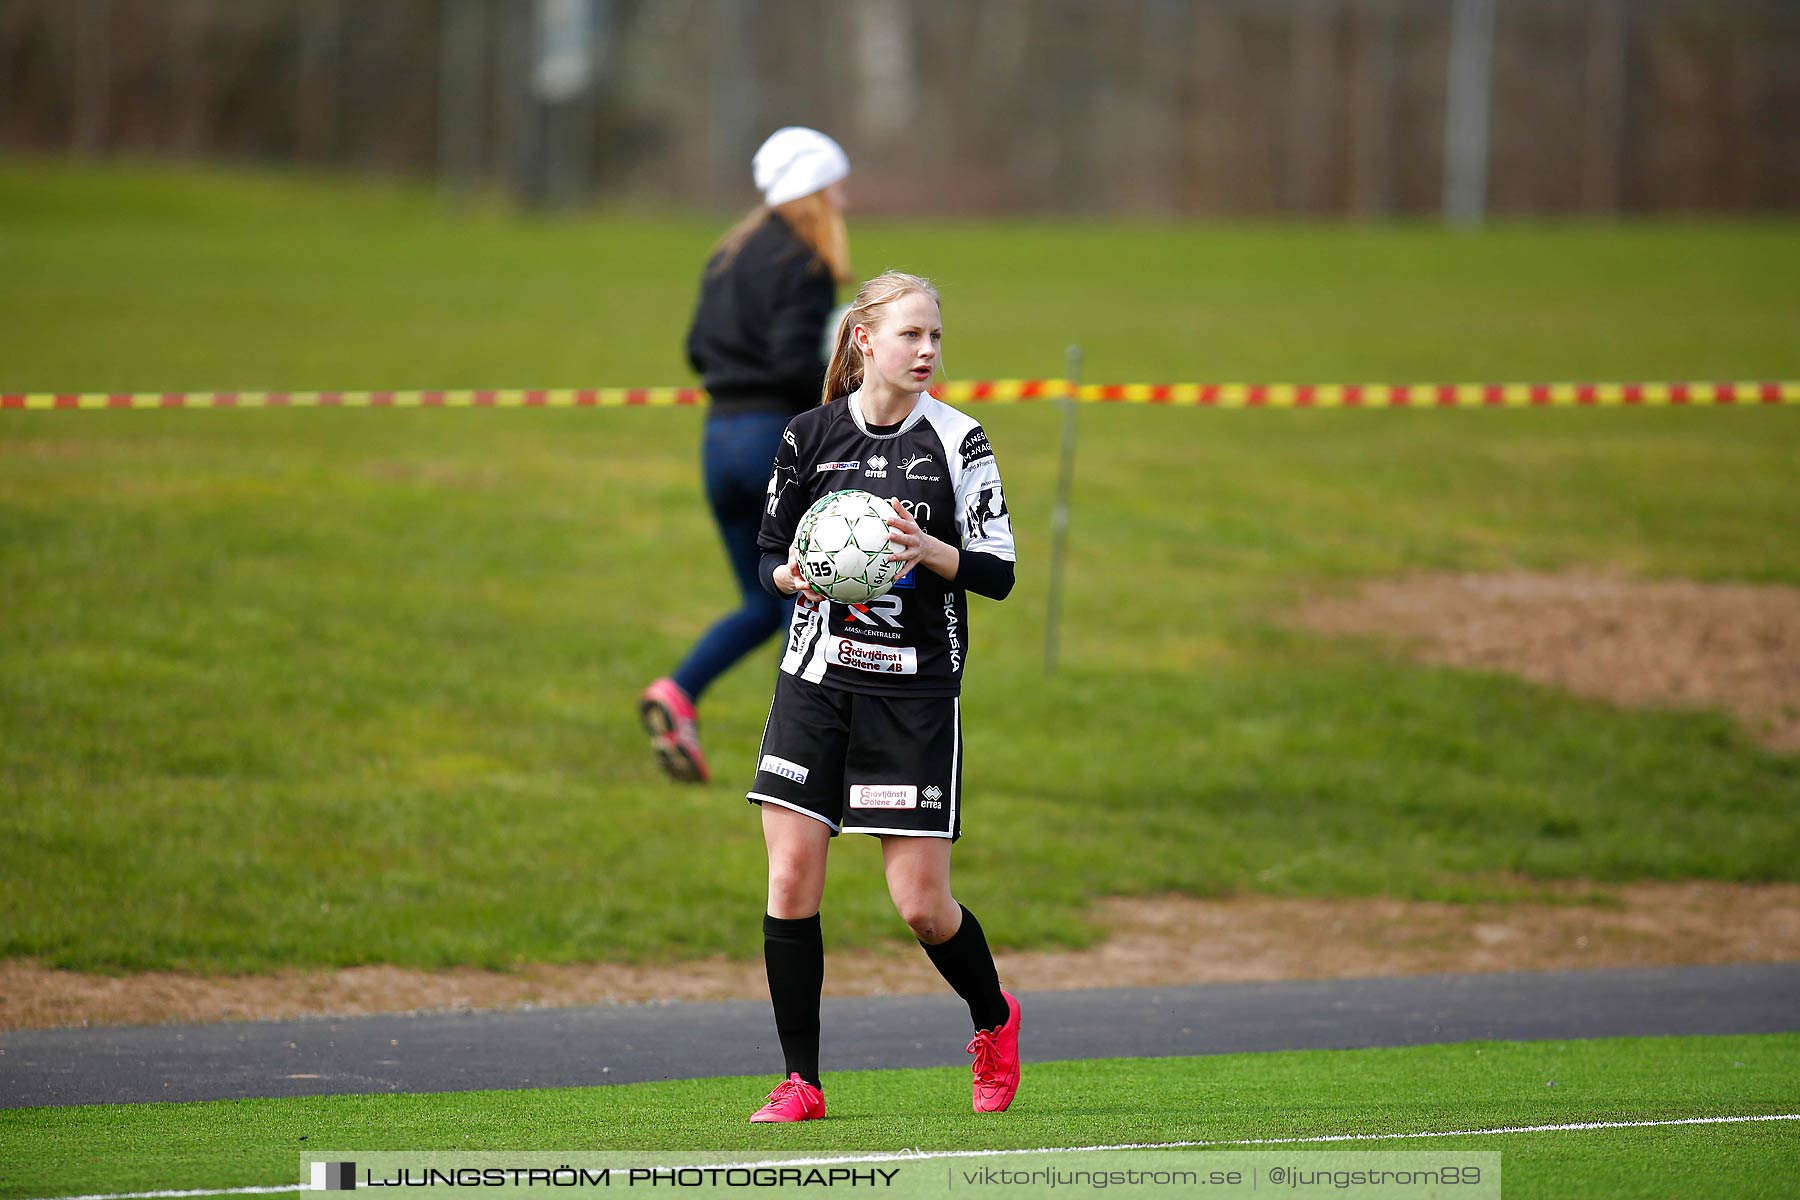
<point x="1227" y="1102"/>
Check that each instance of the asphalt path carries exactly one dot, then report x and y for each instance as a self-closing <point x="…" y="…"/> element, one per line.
<point x="579" y="1047"/>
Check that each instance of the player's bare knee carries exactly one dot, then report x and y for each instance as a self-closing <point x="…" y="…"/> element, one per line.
<point x="791" y="888"/>
<point x="923" y="922"/>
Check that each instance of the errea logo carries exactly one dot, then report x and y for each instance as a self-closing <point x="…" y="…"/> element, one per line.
<point x="875" y="467"/>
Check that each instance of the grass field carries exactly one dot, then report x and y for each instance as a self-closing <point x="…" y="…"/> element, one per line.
<point x="1491" y="1085"/>
<point x="156" y="280"/>
<point x="328" y="688"/>
<point x="335" y="687"/>
<point x="320" y="688"/>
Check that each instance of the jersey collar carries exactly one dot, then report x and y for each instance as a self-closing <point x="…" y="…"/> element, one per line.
<point x="912" y="418"/>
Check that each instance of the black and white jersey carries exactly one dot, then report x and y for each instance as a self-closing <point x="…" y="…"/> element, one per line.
<point x="938" y="465"/>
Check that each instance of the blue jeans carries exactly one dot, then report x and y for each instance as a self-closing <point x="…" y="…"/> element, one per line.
<point x="737" y="455"/>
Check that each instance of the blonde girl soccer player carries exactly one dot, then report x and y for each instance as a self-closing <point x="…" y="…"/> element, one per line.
<point x="865" y="731"/>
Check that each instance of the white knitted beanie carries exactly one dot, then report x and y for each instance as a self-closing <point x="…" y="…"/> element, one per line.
<point x="795" y="162"/>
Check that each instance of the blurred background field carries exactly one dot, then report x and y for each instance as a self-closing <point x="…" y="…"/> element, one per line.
<point x="157" y="278"/>
<point x="320" y="688"/>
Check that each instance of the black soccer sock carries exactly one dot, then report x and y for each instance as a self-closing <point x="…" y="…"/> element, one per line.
<point x="794" y="955"/>
<point x="967" y="965"/>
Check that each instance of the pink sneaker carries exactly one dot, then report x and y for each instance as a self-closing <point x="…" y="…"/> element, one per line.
<point x="674" y="729"/>
<point x="793" y="1099"/>
<point x="997" y="1061"/>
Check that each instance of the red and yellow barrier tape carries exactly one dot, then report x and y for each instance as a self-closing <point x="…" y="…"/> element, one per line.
<point x="1000" y="391"/>
<point x="1379" y="395"/>
<point x="533" y="398"/>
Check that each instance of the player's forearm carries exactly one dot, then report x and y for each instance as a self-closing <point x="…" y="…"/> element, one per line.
<point x="773" y="561"/>
<point x="984" y="574"/>
<point x="972" y="570"/>
<point x="940" y="557"/>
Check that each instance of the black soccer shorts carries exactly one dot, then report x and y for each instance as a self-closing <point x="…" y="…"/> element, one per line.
<point x="863" y="764"/>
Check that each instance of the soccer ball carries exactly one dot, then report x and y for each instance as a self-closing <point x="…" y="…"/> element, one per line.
<point x="843" y="547"/>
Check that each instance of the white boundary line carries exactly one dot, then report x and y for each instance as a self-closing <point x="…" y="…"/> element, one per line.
<point x="924" y="1155"/>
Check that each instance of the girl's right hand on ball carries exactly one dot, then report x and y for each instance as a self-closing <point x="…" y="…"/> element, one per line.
<point x="792" y="581"/>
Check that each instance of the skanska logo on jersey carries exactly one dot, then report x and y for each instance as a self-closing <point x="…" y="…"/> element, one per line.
<point x="950" y="624"/>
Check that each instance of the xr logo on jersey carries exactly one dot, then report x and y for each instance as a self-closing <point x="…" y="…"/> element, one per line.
<point x="886" y="608"/>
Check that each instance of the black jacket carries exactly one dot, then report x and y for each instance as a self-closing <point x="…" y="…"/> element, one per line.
<point x="759" y="328"/>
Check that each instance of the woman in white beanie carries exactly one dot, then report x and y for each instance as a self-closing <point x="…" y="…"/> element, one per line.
<point x="758" y="342"/>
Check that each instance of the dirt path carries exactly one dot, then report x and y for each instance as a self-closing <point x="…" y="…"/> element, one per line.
<point x="1675" y="643"/>
<point x="1158" y="941"/>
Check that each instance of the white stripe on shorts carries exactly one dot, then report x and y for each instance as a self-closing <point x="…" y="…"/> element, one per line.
<point x="956" y="765"/>
<point x="788" y="804"/>
<point x="814" y="671"/>
<point x="894" y="832"/>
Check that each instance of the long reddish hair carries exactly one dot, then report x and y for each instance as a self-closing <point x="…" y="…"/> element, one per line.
<point x="816" y="221"/>
<point x="845" y="374"/>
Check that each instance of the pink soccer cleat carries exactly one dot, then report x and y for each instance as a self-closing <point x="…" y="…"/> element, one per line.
<point x="793" y="1099"/>
<point x="674" y="729"/>
<point x="997" y="1061"/>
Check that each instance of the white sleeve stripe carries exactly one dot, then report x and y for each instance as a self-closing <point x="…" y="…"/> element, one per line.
<point x="815" y="666"/>
<point x="953" y="428"/>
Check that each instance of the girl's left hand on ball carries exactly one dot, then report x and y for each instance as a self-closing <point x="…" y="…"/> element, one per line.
<point x="908" y="539"/>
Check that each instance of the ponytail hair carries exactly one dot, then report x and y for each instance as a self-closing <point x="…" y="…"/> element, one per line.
<point x="845" y="374"/>
<point x="816" y="221"/>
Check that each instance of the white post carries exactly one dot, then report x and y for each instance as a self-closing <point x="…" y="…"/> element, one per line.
<point x="562" y="82"/>
<point x="1467" y="104"/>
<point x="1059" y="517"/>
